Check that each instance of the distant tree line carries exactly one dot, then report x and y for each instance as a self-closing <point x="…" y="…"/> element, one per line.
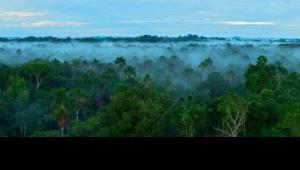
<point x="143" y="38"/>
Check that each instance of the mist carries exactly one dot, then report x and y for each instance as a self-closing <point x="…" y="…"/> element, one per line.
<point x="162" y="60"/>
<point x="226" y="52"/>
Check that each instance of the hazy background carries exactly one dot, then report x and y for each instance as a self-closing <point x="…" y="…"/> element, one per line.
<point x="223" y="52"/>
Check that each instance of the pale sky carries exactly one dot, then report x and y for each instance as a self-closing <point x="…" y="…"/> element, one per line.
<point x="79" y="18"/>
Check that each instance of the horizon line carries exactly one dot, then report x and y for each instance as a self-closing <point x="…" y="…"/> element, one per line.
<point x="152" y="35"/>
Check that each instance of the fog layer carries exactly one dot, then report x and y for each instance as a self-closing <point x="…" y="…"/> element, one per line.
<point x="224" y="53"/>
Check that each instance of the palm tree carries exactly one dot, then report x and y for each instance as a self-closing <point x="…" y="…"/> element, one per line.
<point x="60" y="115"/>
<point x="59" y="108"/>
<point x="120" y="63"/>
<point x="205" y="65"/>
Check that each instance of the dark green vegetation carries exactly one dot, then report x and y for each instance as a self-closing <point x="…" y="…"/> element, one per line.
<point x="143" y="38"/>
<point x="162" y="97"/>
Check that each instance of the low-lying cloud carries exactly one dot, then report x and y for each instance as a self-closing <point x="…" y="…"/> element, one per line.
<point x="20" y="14"/>
<point x="47" y="24"/>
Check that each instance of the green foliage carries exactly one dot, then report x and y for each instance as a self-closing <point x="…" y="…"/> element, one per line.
<point x="216" y="84"/>
<point x="47" y="134"/>
<point x="4" y="75"/>
<point x="205" y="65"/>
<point x="289" y="125"/>
<point x="134" y="112"/>
<point x="192" y="121"/>
<point x="36" y="72"/>
<point x="130" y="74"/>
<point x="233" y="120"/>
<point x="162" y="97"/>
<point x="263" y="76"/>
<point x="120" y="63"/>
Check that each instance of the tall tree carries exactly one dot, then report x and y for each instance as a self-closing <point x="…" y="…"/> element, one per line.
<point x="120" y="63"/>
<point x="192" y="120"/>
<point x="259" y="76"/>
<point x="205" y="65"/>
<point x="147" y="81"/>
<point x="15" y="101"/>
<point x="187" y="73"/>
<point x="59" y="109"/>
<point x="230" y="73"/>
<point x="35" y="72"/>
<point x="78" y="101"/>
<point x="235" y="111"/>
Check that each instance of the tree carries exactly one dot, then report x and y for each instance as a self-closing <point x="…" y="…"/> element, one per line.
<point x="289" y="85"/>
<point x="187" y="73"/>
<point x="230" y="73"/>
<point x="289" y="126"/>
<point x="120" y="63"/>
<point x="216" y="84"/>
<point x="235" y="111"/>
<point x="205" y="65"/>
<point x="129" y="72"/>
<point x="4" y="75"/>
<point x="18" y="52"/>
<point x="109" y="79"/>
<point x="14" y="100"/>
<point x="30" y="120"/>
<point x="192" y="120"/>
<point x="78" y="100"/>
<point x="60" y="115"/>
<point x="59" y="109"/>
<point x="147" y="81"/>
<point x="259" y="76"/>
<point x="35" y="72"/>
<point x="132" y="113"/>
<point x="162" y="60"/>
<point x="146" y="66"/>
<point x="76" y="65"/>
<point x="173" y="66"/>
<point x="280" y="72"/>
<point x="167" y="86"/>
<point x="16" y="94"/>
<point x="265" y="111"/>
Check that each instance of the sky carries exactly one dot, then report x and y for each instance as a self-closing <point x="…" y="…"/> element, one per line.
<point x="212" y="18"/>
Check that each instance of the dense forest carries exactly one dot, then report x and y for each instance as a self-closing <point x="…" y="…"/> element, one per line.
<point x="158" y="97"/>
<point x="143" y="38"/>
